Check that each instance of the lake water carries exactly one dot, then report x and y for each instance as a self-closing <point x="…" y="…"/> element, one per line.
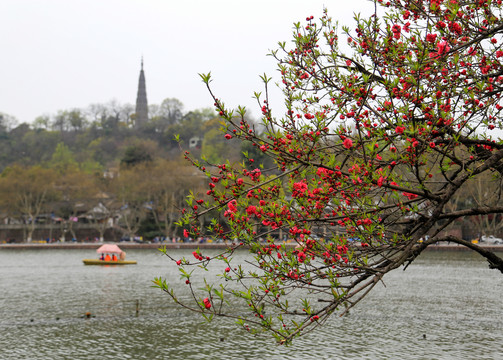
<point x="450" y="297"/>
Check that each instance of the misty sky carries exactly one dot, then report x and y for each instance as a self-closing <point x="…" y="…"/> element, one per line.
<point x="64" y="54"/>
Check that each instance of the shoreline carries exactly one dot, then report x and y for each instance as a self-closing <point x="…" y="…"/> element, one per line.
<point x="126" y="245"/>
<point x="123" y="245"/>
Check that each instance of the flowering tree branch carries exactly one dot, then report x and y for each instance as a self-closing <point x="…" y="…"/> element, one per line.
<point x="384" y="126"/>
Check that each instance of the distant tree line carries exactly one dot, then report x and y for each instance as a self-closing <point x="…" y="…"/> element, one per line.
<point x="93" y="165"/>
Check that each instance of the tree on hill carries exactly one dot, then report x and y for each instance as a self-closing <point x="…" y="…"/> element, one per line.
<point x="170" y="182"/>
<point x="77" y="190"/>
<point x="191" y="125"/>
<point x="25" y="194"/>
<point x="384" y="126"/>
<point x="77" y="185"/>
<point x="485" y="190"/>
<point x="62" y="159"/>
<point x="136" y="154"/>
<point x="170" y="112"/>
<point x="7" y="122"/>
<point x="104" y="204"/>
<point x="131" y="191"/>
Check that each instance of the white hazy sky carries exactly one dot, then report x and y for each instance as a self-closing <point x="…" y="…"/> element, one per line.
<point x="64" y="54"/>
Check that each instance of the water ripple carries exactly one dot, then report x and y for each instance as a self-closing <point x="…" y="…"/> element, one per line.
<point x="428" y="312"/>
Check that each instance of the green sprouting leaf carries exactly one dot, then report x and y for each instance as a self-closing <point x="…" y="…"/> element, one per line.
<point x="265" y="78"/>
<point x="206" y="77"/>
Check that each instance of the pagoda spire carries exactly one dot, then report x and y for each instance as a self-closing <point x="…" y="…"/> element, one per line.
<point x="141" y="100"/>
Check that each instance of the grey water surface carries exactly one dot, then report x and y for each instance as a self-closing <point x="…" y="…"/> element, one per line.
<point x="446" y="305"/>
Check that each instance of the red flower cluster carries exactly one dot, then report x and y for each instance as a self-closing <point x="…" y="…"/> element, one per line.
<point x="431" y="38"/>
<point x="442" y="49"/>
<point x="207" y="303"/>
<point x="396" y="29"/>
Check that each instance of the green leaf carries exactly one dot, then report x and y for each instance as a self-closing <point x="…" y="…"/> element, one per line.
<point x="206" y="77"/>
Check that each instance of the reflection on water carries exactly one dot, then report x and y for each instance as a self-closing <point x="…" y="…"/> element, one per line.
<point x="447" y="305"/>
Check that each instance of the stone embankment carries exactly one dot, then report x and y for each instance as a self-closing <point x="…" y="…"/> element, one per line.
<point x="122" y="245"/>
<point x="191" y="245"/>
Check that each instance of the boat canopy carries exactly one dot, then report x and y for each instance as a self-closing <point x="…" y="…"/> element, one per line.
<point x="109" y="249"/>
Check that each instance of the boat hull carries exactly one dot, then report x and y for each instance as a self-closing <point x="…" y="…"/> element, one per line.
<point x="105" y="262"/>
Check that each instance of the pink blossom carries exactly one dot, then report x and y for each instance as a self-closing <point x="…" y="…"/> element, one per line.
<point x="455" y="28"/>
<point x="251" y="210"/>
<point x="396" y="29"/>
<point x="442" y="49"/>
<point x="300" y="187"/>
<point x="232" y="206"/>
<point x="347" y="143"/>
<point x="409" y="195"/>
<point x="431" y="38"/>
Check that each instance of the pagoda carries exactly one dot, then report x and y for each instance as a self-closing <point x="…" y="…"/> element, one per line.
<point x="141" y="101"/>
